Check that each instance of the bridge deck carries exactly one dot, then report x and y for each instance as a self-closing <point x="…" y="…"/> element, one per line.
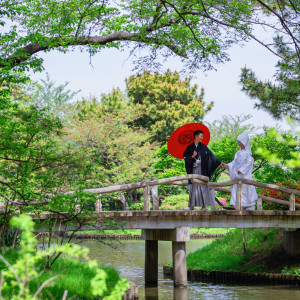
<point x="205" y="219"/>
<point x="195" y="219"/>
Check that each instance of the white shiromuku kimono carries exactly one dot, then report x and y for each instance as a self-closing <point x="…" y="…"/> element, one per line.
<point x="243" y="162"/>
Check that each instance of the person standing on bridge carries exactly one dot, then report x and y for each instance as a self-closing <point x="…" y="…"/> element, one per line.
<point x="199" y="160"/>
<point x="241" y="167"/>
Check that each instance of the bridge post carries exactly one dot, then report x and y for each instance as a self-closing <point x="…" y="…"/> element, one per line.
<point x="259" y="203"/>
<point x="292" y="202"/>
<point x="179" y="264"/>
<point x="98" y="206"/>
<point x="239" y="189"/>
<point x="291" y="242"/>
<point x="146" y="198"/>
<point x="178" y="236"/>
<point x="213" y="201"/>
<point x="151" y="262"/>
<point x="155" y="199"/>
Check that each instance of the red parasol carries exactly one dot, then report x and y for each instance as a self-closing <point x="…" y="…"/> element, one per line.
<point x="183" y="136"/>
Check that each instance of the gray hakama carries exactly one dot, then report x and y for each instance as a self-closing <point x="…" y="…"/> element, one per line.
<point x="199" y="195"/>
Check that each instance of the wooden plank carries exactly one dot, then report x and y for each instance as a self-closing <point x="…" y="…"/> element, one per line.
<point x="213" y="202"/>
<point x="146" y="198"/>
<point x="239" y="189"/>
<point x="292" y="202"/>
<point x="271" y="186"/>
<point x="259" y="203"/>
<point x="155" y="198"/>
<point x="98" y="206"/>
<point x="142" y="184"/>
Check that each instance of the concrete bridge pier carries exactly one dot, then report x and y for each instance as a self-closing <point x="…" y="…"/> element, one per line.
<point x="178" y="237"/>
<point x="151" y="262"/>
<point x="291" y="242"/>
<point x="179" y="264"/>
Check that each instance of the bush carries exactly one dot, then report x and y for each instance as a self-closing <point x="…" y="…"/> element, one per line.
<point x="138" y="206"/>
<point x="175" y="202"/>
<point x="280" y="195"/>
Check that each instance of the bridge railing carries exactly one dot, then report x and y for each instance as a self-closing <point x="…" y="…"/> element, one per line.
<point x="151" y="188"/>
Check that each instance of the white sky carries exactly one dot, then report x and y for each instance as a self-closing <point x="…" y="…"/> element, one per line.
<point x="110" y="68"/>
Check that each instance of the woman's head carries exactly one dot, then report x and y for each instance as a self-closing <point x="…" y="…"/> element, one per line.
<point x="242" y="147"/>
<point x="244" y="143"/>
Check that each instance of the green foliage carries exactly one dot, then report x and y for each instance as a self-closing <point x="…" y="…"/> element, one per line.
<point x="19" y="280"/>
<point x="166" y="102"/>
<point x="227" y="253"/>
<point x="10" y="237"/>
<point x="168" y="166"/>
<point x="186" y="29"/>
<point x="138" y="206"/>
<point x="28" y="144"/>
<point x="49" y="96"/>
<point x="284" y="148"/>
<point x="280" y="195"/>
<point x="230" y="126"/>
<point x="293" y="270"/>
<point x="110" y="149"/>
<point x="175" y="202"/>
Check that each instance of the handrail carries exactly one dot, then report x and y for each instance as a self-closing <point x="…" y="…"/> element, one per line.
<point x="270" y="199"/>
<point x="195" y="178"/>
<point x="142" y="184"/>
<point x="250" y="182"/>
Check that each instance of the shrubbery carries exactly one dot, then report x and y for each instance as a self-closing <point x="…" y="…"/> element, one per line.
<point x="280" y="195"/>
<point x="175" y="202"/>
<point x="138" y="206"/>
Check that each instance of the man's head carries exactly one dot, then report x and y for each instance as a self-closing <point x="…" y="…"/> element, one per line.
<point x="198" y="136"/>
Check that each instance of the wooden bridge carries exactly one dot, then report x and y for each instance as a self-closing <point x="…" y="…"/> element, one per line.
<point x="175" y="225"/>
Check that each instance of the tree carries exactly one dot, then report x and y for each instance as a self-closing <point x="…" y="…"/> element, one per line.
<point x="111" y="150"/>
<point x="166" y="102"/>
<point x="114" y="151"/>
<point x="200" y="32"/>
<point x="282" y="99"/>
<point x="47" y="95"/>
<point x="231" y="126"/>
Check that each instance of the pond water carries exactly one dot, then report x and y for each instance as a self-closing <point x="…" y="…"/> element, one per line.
<point x="128" y="257"/>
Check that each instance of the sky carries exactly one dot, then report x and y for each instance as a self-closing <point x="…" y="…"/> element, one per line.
<point x="109" y="68"/>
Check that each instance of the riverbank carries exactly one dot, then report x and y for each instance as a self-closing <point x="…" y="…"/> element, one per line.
<point x="135" y="234"/>
<point x="256" y="252"/>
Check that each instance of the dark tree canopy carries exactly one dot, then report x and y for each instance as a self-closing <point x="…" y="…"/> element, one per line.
<point x="199" y="31"/>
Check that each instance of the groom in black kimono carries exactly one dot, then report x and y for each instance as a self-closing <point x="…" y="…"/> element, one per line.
<point x="199" y="153"/>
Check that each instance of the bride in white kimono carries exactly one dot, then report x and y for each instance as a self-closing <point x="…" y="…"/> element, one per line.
<point x="241" y="167"/>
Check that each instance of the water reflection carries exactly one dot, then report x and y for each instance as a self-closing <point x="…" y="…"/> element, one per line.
<point x="151" y="293"/>
<point x="180" y="294"/>
<point x="129" y="258"/>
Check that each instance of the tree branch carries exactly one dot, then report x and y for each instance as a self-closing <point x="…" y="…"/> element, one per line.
<point x="31" y="49"/>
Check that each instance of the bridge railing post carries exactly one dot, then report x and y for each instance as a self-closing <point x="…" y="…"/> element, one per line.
<point x="213" y="197"/>
<point x="155" y="198"/>
<point x="98" y="206"/>
<point x="259" y="203"/>
<point x="292" y="202"/>
<point x="239" y="190"/>
<point x="146" y="198"/>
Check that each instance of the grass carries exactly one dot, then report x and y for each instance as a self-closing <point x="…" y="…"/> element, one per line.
<point x="74" y="277"/>
<point x="263" y="253"/>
